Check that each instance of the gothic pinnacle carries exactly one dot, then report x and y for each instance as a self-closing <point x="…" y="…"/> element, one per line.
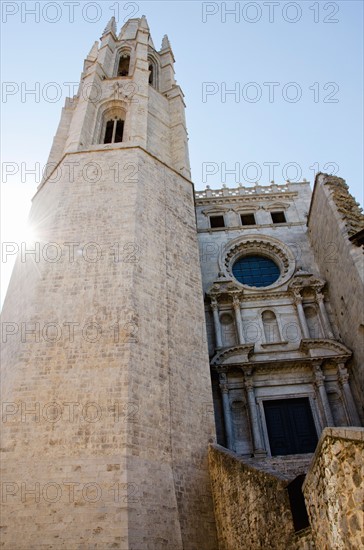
<point x="165" y="43"/>
<point x="110" y="27"/>
<point x="93" y="52"/>
<point x="144" y="22"/>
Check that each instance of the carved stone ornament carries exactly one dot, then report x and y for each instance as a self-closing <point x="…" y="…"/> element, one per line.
<point x="348" y="208"/>
<point x="302" y="279"/>
<point x="258" y="245"/>
<point x="223" y="286"/>
<point x="323" y="348"/>
<point x="233" y="356"/>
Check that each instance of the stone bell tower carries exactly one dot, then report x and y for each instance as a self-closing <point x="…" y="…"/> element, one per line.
<point x="105" y="375"/>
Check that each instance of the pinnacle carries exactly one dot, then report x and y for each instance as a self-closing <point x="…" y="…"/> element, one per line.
<point x="110" y="27"/>
<point x="165" y="43"/>
<point x="94" y="51"/>
<point x="144" y="22"/>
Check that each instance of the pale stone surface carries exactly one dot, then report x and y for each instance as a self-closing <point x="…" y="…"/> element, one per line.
<point x="300" y="356"/>
<point x="117" y="371"/>
<point x="334" y="217"/>
<point x="108" y="407"/>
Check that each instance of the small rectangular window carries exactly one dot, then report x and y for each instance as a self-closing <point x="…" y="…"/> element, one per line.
<point x="247" y="219"/>
<point x="278" y="217"/>
<point x="217" y="221"/>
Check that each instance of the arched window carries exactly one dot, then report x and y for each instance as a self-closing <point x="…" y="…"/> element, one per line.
<point x="313" y="323"/>
<point x="124" y="64"/>
<point x="270" y="325"/>
<point x="153" y="72"/>
<point x="151" y="75"/>
<point x="111" y="125"/>
<point x="114" y="130"/>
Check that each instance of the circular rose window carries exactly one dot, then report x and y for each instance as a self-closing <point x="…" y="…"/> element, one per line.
<point x="256" y="271"/>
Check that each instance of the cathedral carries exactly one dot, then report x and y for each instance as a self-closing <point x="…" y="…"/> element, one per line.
<point x="185" y="368"/>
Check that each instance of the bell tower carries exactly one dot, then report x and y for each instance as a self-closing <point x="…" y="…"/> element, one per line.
<point x="107" y="404"/>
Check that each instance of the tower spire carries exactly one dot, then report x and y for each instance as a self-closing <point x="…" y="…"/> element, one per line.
<point x="166" y="45"/>
<point x="92" y="56"/>
<point x="110" y="27"/>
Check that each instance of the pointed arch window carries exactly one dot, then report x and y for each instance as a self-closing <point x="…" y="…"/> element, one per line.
<point x="124" y="65"/>
<point x="151" y="75"/>
<point x="114" y="130"/>
<point x="153" y="72"/>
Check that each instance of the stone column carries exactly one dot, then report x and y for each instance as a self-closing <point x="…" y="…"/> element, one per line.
<point x="320" y="384"/>
<point x="215" y="311"/>
<point x="348" y="397"/>
<point x="301" y="314"/>
<point x="253" y="413"/>
<point x="239" y="323"/>
<point x="323" y="315"/>
<point x="227" y="411"/>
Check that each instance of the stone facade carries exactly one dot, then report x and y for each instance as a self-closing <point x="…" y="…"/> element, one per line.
<point x="334" y="490"/>
<point x="105" y="373"/>
<point x="340" y="259"/>
<point x="276" y="342"/>
<point x="111" y="391"/>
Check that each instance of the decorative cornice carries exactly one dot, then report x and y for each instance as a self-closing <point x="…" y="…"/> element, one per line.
<point x="257" y="226"/>
<point x="249" y="368"/>
<point x="240" y="192"/>
<point x="314" y="347"/>
<point x="313" y="351"/>
<point x="215" y="209"/>
<point x="283" y="205"/>
<point x="243" y="352"/>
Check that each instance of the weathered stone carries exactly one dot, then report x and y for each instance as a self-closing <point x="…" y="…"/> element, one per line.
<point x="251" y="506"/>
<point x="334" y="497"/>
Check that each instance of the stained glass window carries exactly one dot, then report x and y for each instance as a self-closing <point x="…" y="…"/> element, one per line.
<point x="256" y="271"/>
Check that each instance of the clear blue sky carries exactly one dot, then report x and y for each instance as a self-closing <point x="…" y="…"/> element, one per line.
<point x="321" y="53"/>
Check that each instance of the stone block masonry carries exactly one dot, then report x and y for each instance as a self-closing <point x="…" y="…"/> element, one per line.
<point x="105" y="437"/>
<point x="334" y="490"/>
<point x="251" y="506"/>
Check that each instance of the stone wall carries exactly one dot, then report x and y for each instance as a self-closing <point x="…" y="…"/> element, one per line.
<point x="118" y="408"/>
<point x="333" y="490"/>
<point x="334" y="216"/>
<point x="302" y="540"/>
<point x="252" y="508"/>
